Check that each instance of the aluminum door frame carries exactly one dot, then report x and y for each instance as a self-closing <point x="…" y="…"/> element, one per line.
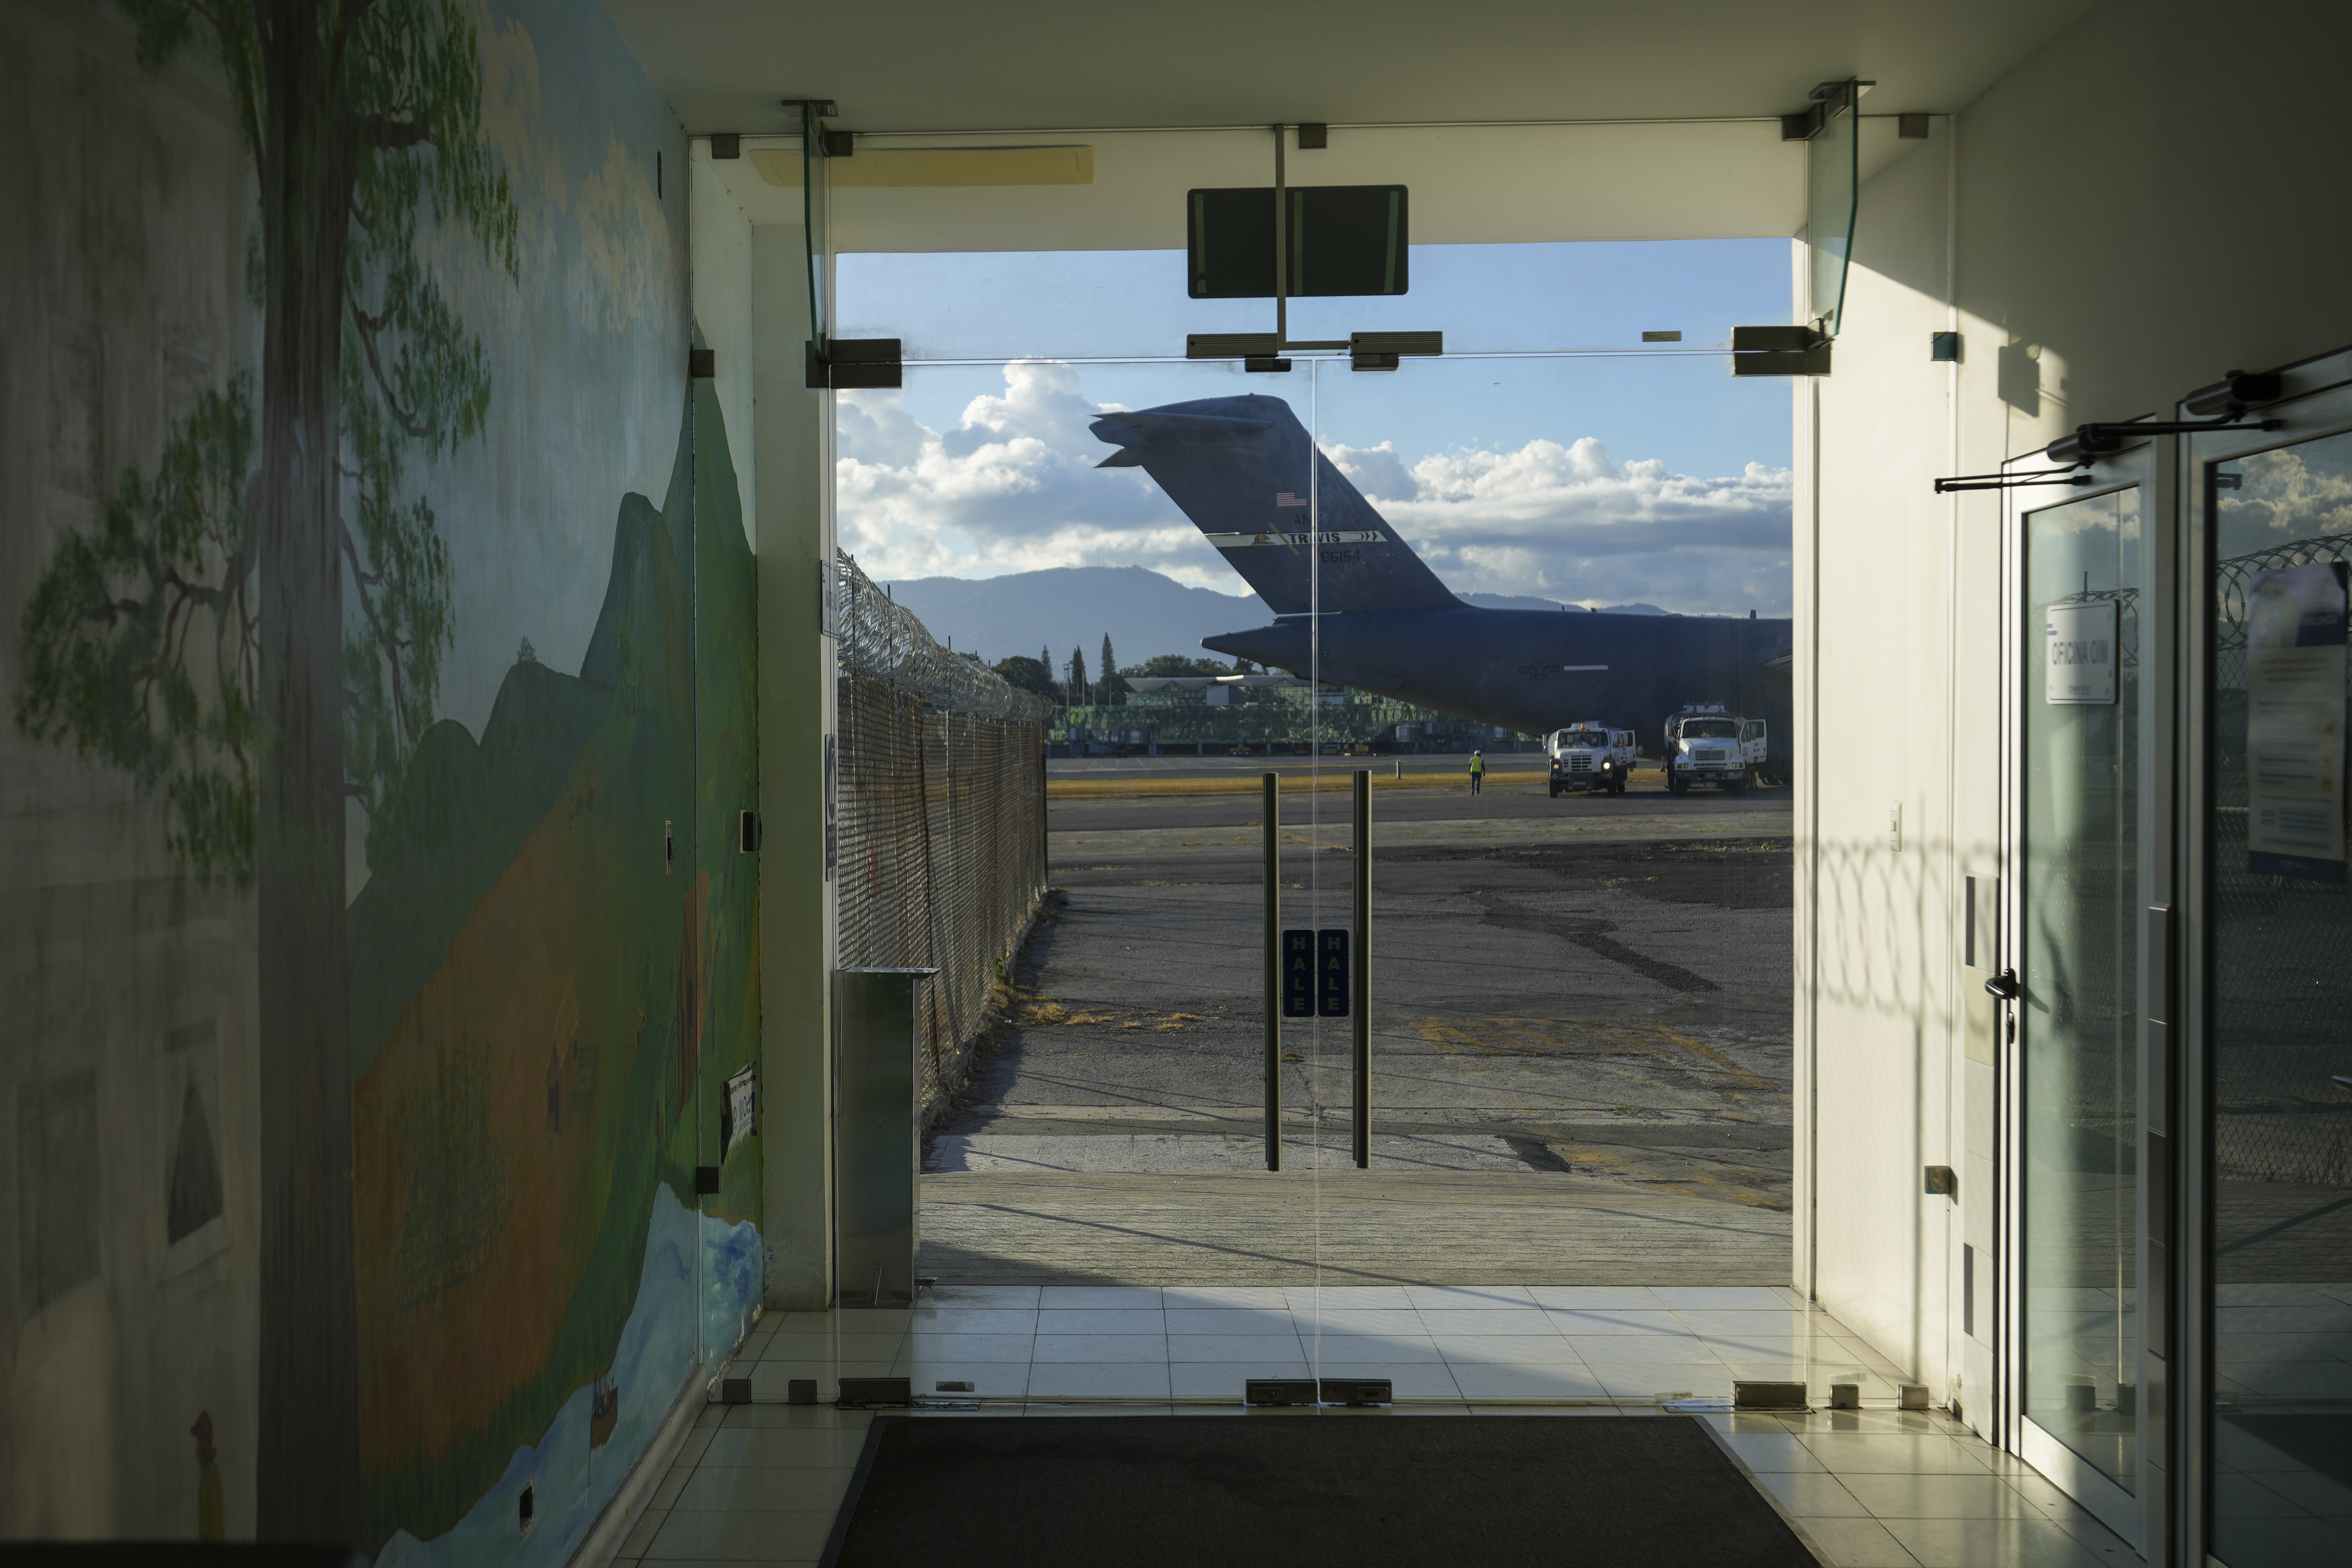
<point x="2147" y="466"/>
<point x="2317" y="401"/>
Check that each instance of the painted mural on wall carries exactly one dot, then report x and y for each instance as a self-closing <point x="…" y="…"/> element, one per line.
<point x="535" y="1283"/>
<point x="504" y="884"/>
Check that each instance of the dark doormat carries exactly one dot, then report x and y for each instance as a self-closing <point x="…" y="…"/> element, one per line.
<point x="1036" y="1491"/>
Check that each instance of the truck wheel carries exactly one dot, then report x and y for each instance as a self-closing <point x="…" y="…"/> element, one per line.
<point x="1735" y="786"/>
<point x="1617" y="788"/>
<point x="1555" y="789"/>
<point x="1673" y="784"/>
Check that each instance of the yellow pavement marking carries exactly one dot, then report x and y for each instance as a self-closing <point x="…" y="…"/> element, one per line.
<point x="1291" y="784"/>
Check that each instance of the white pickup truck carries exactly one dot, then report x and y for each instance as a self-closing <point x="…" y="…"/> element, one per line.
<point x="1589" y="756"/>
<point x="1709" y="746"/>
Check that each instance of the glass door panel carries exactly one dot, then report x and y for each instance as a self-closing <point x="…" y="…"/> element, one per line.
<point x="1126" y="1080"/>
<point x="1580" y="990"/>
<point x="2077" y="956"/>
<point x="2280" y="917"/>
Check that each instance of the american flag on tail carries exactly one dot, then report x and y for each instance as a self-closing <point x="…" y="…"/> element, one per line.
<point x="1284" y="498"/>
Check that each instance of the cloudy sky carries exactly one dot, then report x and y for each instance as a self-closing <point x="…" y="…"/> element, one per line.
<point x="1591" y="480"/>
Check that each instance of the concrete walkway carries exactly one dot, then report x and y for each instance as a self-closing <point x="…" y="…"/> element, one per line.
<point x="1260" y="1227"/>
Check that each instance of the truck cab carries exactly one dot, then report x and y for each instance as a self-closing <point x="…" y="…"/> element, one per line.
<point x="1589" y="756"/>
<point x="1709" y="747"/>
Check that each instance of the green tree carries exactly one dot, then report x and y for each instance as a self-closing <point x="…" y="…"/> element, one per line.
<point x="1178" y="664"/>
<point x="1077" y="677"/>
<point x="1113" y="690"/>
<point x="1025" y="674"/>
<point x="201" y="639"/>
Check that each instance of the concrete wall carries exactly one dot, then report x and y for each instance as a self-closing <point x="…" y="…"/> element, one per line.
<point x="2152" y="199"/>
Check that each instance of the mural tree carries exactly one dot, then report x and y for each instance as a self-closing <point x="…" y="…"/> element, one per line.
<point x="203" y="639"/>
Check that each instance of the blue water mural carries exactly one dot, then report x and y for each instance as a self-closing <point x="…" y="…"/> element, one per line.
<point x="731" y="1277"/>
<point x="572" y="1480"/>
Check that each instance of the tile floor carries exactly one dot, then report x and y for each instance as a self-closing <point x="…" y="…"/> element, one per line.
<point x="1442" y="1342"/>
<point x="1873" y="1488"/>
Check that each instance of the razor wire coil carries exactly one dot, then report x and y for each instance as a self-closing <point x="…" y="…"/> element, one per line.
<point x="877" y="638"/>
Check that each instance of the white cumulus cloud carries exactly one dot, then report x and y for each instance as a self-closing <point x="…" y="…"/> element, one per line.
<point x="1573" y="522"/>
<point x="1013" y="487"/>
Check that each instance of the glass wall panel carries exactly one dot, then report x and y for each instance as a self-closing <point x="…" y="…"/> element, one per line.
<point x="1526" y="1062"/>
<point x="2281" y="917"/>
<point x="973" y="247"/>
<point x="1836" y="178"/>
<point x="969" y="305"/>
<point x="2079" y="1023"/>
<point x="1129" y="1063"/>
<point x="1074" y="246"/>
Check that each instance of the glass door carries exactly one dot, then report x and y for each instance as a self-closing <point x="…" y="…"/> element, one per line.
<point x="2270" y="983"/>
<point x="2079" y="841"/>
<point x="1147" y="1179"/>
<point x="1576" y="1094"/>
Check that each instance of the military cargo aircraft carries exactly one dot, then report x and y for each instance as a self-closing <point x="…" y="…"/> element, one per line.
<point x="1246" y="471"/>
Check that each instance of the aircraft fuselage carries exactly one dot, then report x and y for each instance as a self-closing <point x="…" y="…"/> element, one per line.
<point x="1536" y="670"/>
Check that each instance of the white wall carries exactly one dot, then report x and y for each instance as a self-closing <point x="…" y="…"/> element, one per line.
<point x="794" y="437"/>
<point x="1875" y="871"/>
<point x="2151" y="200"/>
<point x="720" y="247"/>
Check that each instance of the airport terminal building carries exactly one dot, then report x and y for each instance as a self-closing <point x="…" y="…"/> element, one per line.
<point x="554" y="1024"/>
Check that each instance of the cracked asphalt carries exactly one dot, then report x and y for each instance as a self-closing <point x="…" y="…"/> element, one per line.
<point x="1591" y="985"/>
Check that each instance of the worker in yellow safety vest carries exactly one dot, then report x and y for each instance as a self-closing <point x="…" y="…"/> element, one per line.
<point x="1477" y="768"/>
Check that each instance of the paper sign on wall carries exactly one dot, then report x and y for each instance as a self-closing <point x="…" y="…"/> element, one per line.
<point x="739" y="1108"/>
<point x="2079" y="646"/>
<point x="2294" y="721"/>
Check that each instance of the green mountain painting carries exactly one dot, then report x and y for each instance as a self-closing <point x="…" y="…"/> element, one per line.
<point x="553" y="970"/>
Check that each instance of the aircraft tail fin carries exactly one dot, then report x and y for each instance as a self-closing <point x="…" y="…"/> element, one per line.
<point x="1247" y="474"/>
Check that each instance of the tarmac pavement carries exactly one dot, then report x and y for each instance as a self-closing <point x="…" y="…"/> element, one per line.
<point x="1592" y="987"/>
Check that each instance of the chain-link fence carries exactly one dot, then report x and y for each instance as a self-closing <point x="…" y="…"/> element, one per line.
<point x="940" y="818"/>
<point x="2279" y="943"/>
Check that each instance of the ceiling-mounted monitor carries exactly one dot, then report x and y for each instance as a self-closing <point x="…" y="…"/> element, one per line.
<point x="1344" y="240"/>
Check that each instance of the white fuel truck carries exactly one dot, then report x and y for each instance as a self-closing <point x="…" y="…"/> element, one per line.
<point x="1588" y="756"/>
<point x="1709" y="746"/>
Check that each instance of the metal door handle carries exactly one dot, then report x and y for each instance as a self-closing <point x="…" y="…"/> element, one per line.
<point x="2003" y="985"/>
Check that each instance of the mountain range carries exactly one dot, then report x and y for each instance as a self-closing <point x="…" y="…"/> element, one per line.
<point x="1143" y="612"/>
